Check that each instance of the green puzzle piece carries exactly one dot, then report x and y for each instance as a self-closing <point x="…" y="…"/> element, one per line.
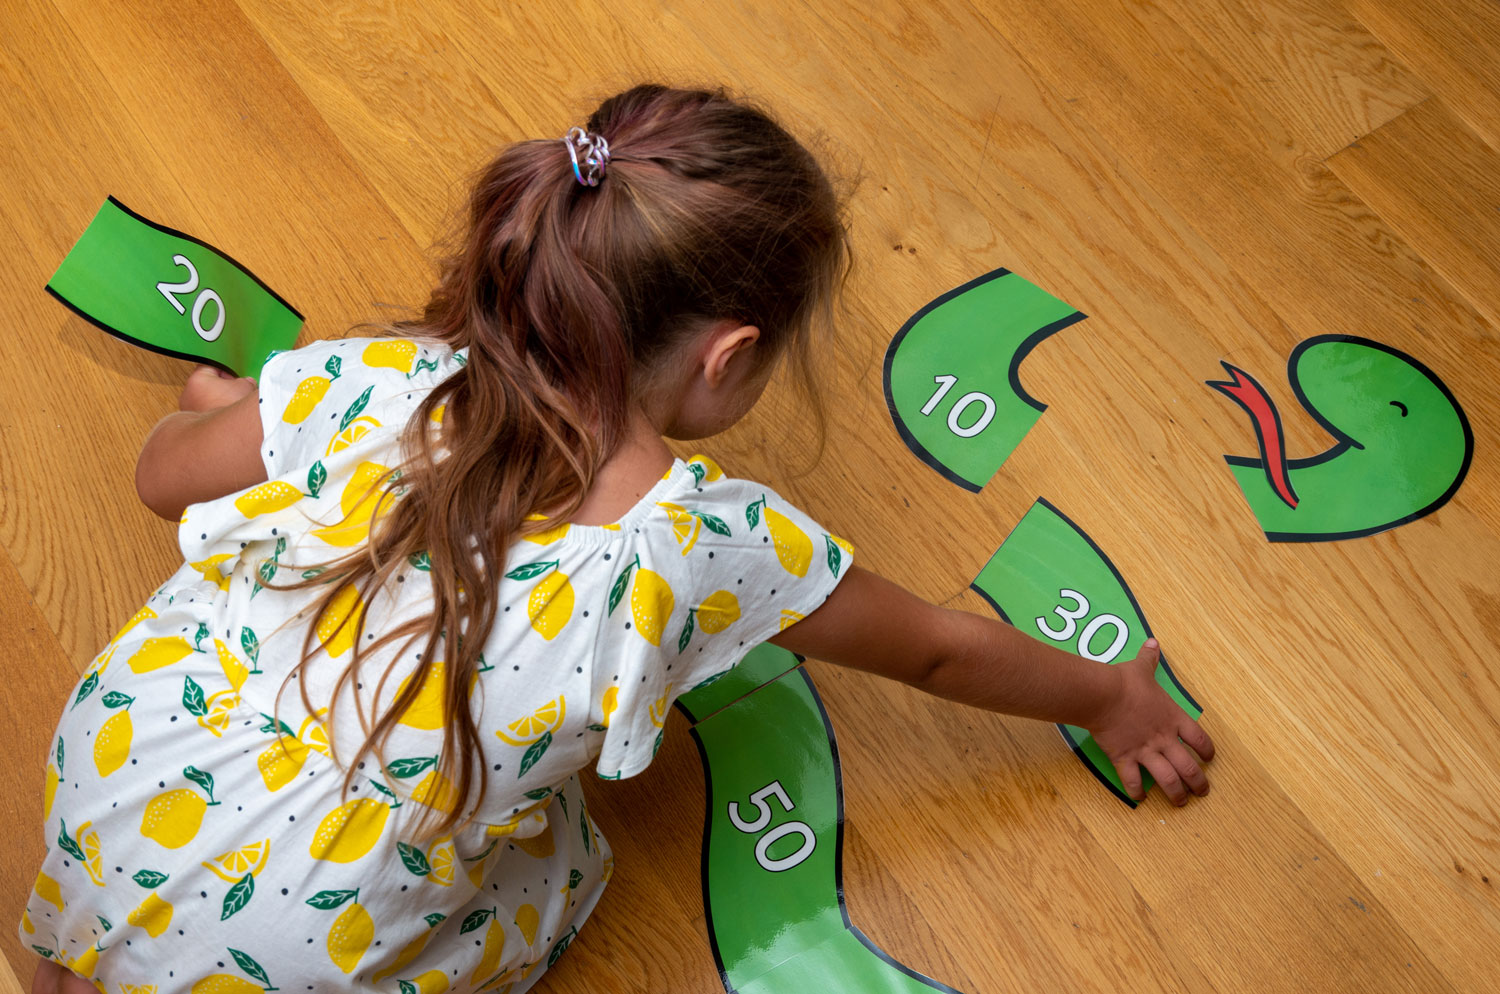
<point x="952" y="374"/>
<point x="1403" y="445"/>
<point x="772" y="849"/>
<point x="1052" y="582"/>
<point x="166" y="291"/>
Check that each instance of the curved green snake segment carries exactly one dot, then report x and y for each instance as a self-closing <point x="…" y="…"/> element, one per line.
<point x="1402" y="442"/>
<point x="952" y="374"/>
<point x="1052" y="582"/>
<point x="773" y="840"/>
<point x="166" y="291"/>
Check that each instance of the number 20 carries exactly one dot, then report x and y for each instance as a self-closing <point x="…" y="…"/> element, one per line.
<point x="758" y="800"/>
<point x="169" y="290"/>
<point x="1070" y="617"/>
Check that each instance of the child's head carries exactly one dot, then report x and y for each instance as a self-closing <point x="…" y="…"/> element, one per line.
<point x="709" y="246"/>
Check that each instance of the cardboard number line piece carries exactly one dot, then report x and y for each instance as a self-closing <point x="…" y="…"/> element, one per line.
<point x="1051" y="581"/>
<point x="952" y="374"/>
<point x="1403" y="444"/>
<point x="773" y="842"/>
<point x="168" y="292"/>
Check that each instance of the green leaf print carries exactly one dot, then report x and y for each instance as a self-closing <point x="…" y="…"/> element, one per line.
<point x="42" y="951"/>
<point x="617" y="592"/>
<point x="435" y="919"/>
<point x="530" y="570"/>
<point x="421" y="365"/>
<point x="149" y="878"/>
<point x="712" y="522"/>
<point x="534" y="754"/>
<point x="835" y="554"/>
<point x="192" y="697"/>
<point x="115" y="699"/>
<point x="421" y="561"/>
<point x="583" y="825"/>
<point x="267" y="570"/>
<point x="90" y="683"/>
<point x="238" y="896"/>
<point x="382" y="788"/>
<point x="199" y="636"/>
<point x="68" y="845"/>
<point x="656" y="746"/>
<point x="403" y="768"/>
<point x="413" y="860"/>
<point x="562" y="945"/>
<point x="252" y="969"/>
<point x="461" y="357"/>
<point x="355" y="408"/>
<point x="475" y="919"/>
<point x="59" y="755"/>
<point x="277" y="725"/>
<point x="308" y="574"/>
<point x="327" y="900"/>
<point x="752" y="512"/>
<point x="687" y="632"/>
<point x="204" y="780"/>
<point x="105" y="922"/>
<point x="316" y="477"/>
<point x="334" y="366"/>
<point x="540" y="793"/>
<point x="598" y="728"/>
<point x="251" y="644"/>
<point x="698" y="471"/>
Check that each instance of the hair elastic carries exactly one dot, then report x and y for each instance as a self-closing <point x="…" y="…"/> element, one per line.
<point x="592" y="149"/>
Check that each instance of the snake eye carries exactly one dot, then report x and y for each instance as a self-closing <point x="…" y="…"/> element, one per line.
<point x="1398" y="404"/>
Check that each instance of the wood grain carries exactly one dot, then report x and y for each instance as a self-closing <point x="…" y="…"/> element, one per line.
<point x="1205" y="180"/>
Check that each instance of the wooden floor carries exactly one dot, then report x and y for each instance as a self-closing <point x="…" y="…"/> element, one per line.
<point x="1206" y="179"/>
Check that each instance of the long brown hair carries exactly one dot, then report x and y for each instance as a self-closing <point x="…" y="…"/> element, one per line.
<point x="567" y="298"/>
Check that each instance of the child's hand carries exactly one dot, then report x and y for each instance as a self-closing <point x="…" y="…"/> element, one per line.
<point x="1145" y="727"/>
<point x="209" y="388"/>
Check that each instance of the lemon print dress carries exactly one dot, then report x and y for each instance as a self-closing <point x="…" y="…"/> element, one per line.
<point x="198" y="839"/>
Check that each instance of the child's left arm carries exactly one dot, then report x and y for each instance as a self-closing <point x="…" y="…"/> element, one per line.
<point x="207" y="449"/>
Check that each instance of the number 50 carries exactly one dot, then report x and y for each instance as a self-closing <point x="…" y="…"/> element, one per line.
<point x="758" y="800"/>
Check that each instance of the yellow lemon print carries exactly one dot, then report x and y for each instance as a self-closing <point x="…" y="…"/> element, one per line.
<point x="47" y="889"/>
<point x="349" y="831"/>
<point x="93" y="859"/>
<point x="547" y="718"/>
<point x="231" y="866"/>
<point x="137" y="989"/>
<point x="437" y="414"/>
<point x="219" y="708"/>
<point x="658" y="709"/>
<point x="363" y="495"/>
<point x="153" y="914"/>
<point x="685" y="527"/>
<point x="307" y="396"/>
<point x="711" y="470"/>
<point x="86" y="962"/>
<point x="651" y="604"/>
<point x="156" y="653"/>
<point x="542" y="845"/>
<point x="718" y="611"/>
<point x="793" y="547"/>
<point x="527" y="920"/>
<point x="788" y="619"/>
<point x="339" y="621"/>
<point x="173" y="817"/>
<point x="546" y="535"/>
<point x="26" y="925"/>
<point x="350" y="936"/>
<point x="101" y="661"/>
<point x="410" y="951"/>
<point x="280" y="762"/>
<point x="111" y="745"/>
<point x="49" y="790"/>
<point x="312" y="733"/>
<point x="610" y="702"/>
<point x="396" y="354"/>
<point x="210" y="570"/>
<point x="431" y="982"/>
<point x="358" y="429"/>
<point x="427" y="710"/>
<point x="234" y="670"/>
<point x="842" y="544"/>
<point x="550" y="606"/>
<point x="494" y="947"/>
<point x="436" y="791"/>
<point x="267" y="498"/>
<point x="442" y="859"/>
<point x="225" y="983"/>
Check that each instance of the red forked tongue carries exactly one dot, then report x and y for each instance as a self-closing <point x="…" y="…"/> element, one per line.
<point x="1250" y="395"/>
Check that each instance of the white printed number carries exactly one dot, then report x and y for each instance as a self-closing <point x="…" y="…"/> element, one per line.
<point x="1070" y="618"/>
<point x="968" y="400"/>
<point x="763" y="818"/>
<point x="171" y="290"/>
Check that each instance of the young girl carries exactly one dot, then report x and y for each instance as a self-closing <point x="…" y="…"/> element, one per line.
<point x="429" y="579"/>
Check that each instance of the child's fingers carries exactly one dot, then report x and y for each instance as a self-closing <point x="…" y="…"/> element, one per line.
<point x="1130" y="779"/>
<point x="1167" y="777"/>
<point x="1193" y="734"/>
<point x="1191" y="773"/>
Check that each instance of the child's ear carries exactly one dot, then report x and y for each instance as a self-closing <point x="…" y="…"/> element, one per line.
<point x="725" y="344"/>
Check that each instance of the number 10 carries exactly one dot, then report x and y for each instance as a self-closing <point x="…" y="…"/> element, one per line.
<point x="986" y="415"/>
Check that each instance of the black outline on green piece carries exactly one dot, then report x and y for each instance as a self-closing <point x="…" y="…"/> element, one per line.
<point x="1134" y="606"/>
<point x="1343" y="442"/>
<point x="1022" y="351"/>
<point x="838" y="848"/>
<point x="148" y="346"/>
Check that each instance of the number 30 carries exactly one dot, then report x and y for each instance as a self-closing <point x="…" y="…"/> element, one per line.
<point x="169" y="290"/>
<point x="1071" y="616"/>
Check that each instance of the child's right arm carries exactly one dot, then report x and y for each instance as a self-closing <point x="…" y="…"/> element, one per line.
<point x="872" y="624"/>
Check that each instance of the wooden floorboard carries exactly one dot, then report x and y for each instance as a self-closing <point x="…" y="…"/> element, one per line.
<point x="1206" y="181"/>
